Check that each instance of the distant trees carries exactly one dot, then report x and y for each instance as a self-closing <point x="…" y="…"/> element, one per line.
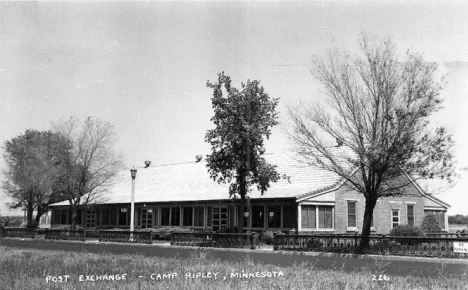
<point x="378" y="106"/>
<point x="243" y="118"/>
<point x="33" y="160"/>
<point x="458" y="219"/>
<point x="89" y="163"/>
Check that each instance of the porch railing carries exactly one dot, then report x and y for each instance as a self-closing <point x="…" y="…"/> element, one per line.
<point x="126" y="236"/>
<point x="18" y="233"/>
<point x="380" y="245"/>
<point x="222" y="240"/>
<point x="58" y="234"/>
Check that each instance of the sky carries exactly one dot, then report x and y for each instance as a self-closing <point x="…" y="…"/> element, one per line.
<point x="143" y="66"/>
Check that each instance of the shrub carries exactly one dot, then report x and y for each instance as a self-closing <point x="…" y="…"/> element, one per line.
<point x="4" y="221"/>
<point x="313" y="244"/>
<point x="407" y="231"/>
<point x="430" y="224"/>
<point x="267" y="237"/>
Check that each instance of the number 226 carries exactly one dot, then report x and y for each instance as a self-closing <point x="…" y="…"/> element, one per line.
<point x="380" y="278"/>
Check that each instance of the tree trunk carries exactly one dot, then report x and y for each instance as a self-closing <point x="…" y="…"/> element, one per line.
<point x="29" y="216"/>
<point x="73" y="208"/>
<point x="73" y="218"/>
<point x="367" y="223"/>
<point x="242" y="193"/>
<point x="39" y="214"/>
<point x="240" y="218"/>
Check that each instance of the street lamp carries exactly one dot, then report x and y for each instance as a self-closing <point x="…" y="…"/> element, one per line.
<point x="133" y="172"/>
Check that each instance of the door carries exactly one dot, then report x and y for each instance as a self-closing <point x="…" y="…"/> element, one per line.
<point x="90" y="218"/>
<point x="146" y="218"/>
<point x="220" y="218"/>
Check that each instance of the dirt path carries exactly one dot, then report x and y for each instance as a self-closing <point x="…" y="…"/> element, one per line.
<point x="391" y="266"/>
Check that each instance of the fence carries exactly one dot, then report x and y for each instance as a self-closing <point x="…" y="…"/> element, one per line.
<point x="126" y="236"/>
<point x="57" y="234"/>
<point x="215" y="240"/>
<point x="18" y="233"/>
<point x="380" y="245"/>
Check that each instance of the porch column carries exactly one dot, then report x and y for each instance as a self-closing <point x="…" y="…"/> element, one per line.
<point x="299" y="218"/>
<point x="446" y="221"/>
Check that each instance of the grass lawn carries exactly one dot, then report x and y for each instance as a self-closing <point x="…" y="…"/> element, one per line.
<point x="36" y="269"/>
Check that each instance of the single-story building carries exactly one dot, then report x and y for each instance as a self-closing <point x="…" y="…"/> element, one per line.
<point x="305" y="199"/>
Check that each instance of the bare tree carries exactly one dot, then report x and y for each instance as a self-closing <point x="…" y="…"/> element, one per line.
<point x="379" y="108"/>
<point x="90" y="163"/>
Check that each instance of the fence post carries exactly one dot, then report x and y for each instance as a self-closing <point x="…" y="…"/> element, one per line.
<point x="84" y="235"/>
<point x="355" y="240"/>
<point x="275" y="242"/>
<point x="385" y="245"/>
<point x="150" y="237"/>
<point x="252" y="242"/>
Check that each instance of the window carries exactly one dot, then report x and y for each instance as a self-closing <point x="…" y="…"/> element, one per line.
<point x="440" y="216"/>
<point x="105" y="217"/>
<point x="325" y="217"/>
<point x="352" y="217"/>
<point x="209" y="221"/>
<point x="188" y="216"/>
<point x="289" y="216"/>
<point x="55" y="217"/>
<point x="395" y="217"/>
<point x="245" y="218"/>
<point x="199" y="216"/>
<point x="410" y="214"/>
<point x="123" y="216"/>
<point x="317" y="217"/>
<point x="78" y="217"/>
<point x="308" y="216"/>
<point x="113" y="216"/>
<point x="274" y="216"/>
<point x="63" y="217"/>
<point x="258" y="216"/>
<point x="175" y="216"/>
<point x="165" y="214"/>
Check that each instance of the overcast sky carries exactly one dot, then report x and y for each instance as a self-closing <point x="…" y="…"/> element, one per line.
<point x="143" y="66"/>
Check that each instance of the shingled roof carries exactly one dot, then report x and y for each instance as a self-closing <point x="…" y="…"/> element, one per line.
<point x="190" y="181"/>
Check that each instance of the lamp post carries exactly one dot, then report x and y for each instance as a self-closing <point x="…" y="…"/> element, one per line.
<point x="133" y="172"/>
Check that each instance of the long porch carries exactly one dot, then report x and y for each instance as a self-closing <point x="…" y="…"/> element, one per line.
<point x="257" y="215"/>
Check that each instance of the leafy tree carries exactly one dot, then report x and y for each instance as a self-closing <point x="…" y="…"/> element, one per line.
<point x="430" y="224"/>
<point x="378" y="107"/>
<point x="33" y="161"/>
<point x="89" y="164"/>
<point x="243" y="118"/>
